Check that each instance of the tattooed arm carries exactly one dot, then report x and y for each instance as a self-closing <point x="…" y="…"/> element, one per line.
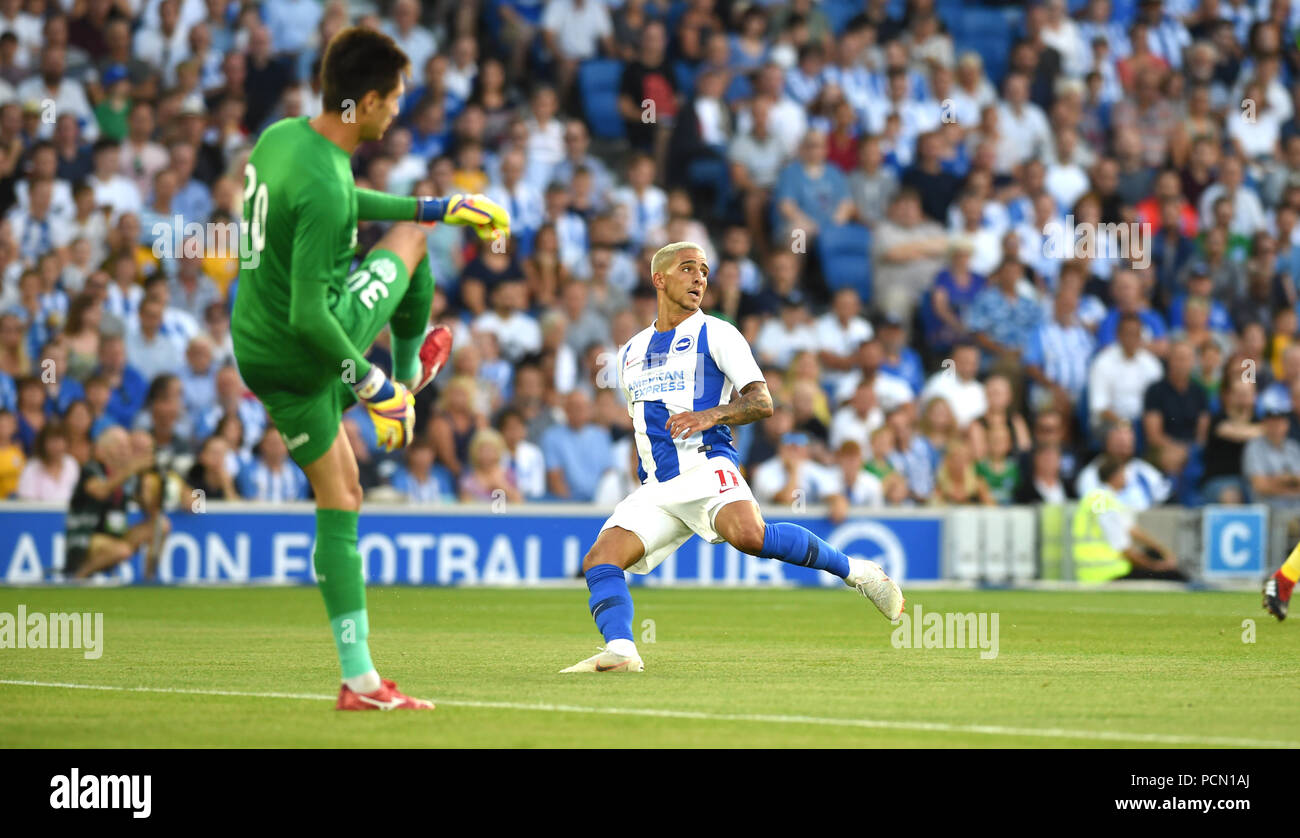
<point x="754" y="403"/>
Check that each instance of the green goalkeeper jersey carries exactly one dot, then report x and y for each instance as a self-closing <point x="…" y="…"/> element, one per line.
<point x="299" y="237"/>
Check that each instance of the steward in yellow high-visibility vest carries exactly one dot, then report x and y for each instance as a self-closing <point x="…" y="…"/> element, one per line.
<point x="1107" y="543"/>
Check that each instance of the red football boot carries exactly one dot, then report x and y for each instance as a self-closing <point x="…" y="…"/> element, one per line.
<point x="434" y="352"/>
<point x="385" y="698"/>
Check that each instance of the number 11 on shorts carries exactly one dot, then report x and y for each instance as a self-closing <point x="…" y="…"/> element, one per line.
<point x="723" y="477"/>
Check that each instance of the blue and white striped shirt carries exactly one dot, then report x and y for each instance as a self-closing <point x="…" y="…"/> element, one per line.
<point x="1063" y="353"/>
<point x="259" y="482"/>
<point x="692" y="367"/>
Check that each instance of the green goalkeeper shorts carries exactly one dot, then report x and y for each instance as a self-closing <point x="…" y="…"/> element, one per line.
<point x="307" y="408"/>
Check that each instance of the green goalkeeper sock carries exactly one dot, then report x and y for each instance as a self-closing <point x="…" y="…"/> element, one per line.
<point x="410" y="322"/>
<point x="338" y="574"/>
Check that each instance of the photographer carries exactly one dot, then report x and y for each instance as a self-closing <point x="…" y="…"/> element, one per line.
<point x="98" y="535"/>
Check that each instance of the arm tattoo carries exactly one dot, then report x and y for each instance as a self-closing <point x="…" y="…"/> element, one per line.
<point x="754" y="403"/>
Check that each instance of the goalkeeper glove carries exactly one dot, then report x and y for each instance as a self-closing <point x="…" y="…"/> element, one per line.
<point x="488" y="218"/>
<point x="391" y="407"/>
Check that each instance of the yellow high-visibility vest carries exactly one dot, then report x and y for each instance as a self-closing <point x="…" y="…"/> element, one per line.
<point x="1094" y="559"/>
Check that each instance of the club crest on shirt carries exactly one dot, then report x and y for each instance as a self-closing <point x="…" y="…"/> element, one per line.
<point x="683" y="344"/>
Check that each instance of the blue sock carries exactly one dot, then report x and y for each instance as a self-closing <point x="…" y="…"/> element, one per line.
<point x="796" y="545"/>
<point x="611" y="602"/>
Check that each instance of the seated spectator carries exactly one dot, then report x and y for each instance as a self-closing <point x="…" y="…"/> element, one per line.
<point x="1057" y="352"/>
<point x="810" y="195"/>
<point x="30" y="411"/>
<point x="1120" y="376"/>
<point x="957" y="385"/>
<point x="483" y="274"/>
<point x="783" y="337"/>
<point x="12" y="459"/>
<point x="1044" y="482"/>
<point x="577" y="451"/>
<point x="1175" y="413"/>
<point x="937" y="425"/>
<point x="897" y="358"/>
<point x="271" y="477"/>
<point x="999" y="319"/>
<point x="891" y="391"/>
<point x="15" y="357"/>
<point x="644" y="205"/>
<point x="51" y="474"/>
<point x="908" y="249"/>
<point x="871" y="184"/>
<point x="61" y="389"/>
<point x="148" y="350"/>
<point x="956" y="481"/>
<point x="192" y="291"/>
<point x="1195" y="326"/>
<point x="1271" y="461"/>
<point x="1001" y="410"/>
<point x="209" y="474"/>
<point x="857" y="486"/>
<point x="808" y="404"/>
<point x="1128" y="298"/>
<point x="521" y="457"/>
<point x="455" y="421"/>
<point x="164" y="417"/>
<point x="420" y="480"/>
<point x="840" y="332"/>
<point x="77" y="422"/>
<point x="1232" y="427"/>
<point x="487" y="478"/>
<point x="793" y="477"/>
<point x="954" y="289"/>
<point x="82" y="336"/>
<point x="517" y="332"/>
<point x="893" y="484"/>
<point x="198" y="379"/>
<point x="857" y="420"/>
<point x="1144" y="485"/>
<point x="998" y="468"/>
<point x="912" y="455"/>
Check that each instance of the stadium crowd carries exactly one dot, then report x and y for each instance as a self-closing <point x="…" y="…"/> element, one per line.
<point x="894" y="200"/>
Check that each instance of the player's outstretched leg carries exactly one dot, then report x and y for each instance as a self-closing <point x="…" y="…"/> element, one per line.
<point x="742" y="525"/>
<point x="1277" y="590"/>
<point x="611" y="602"/>
<point x="334" y="480"/>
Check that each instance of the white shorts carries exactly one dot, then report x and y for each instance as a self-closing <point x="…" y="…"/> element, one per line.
<point x="665" y="515"/>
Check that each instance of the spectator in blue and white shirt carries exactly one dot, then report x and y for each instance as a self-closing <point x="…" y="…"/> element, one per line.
<point x="272" y="477"/>
<point x="1056" y="354"/>
<point x="420" y="480"/>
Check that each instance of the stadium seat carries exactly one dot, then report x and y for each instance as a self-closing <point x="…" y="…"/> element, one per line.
<point x="989" y="31"/>
<point x="684" y="77"/>
<point x="840" y="12"/>
<point x="598" y="81"/>
<point x="845" y="253"/>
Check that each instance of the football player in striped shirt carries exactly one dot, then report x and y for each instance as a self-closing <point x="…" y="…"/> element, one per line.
<point x="678" y="376"/>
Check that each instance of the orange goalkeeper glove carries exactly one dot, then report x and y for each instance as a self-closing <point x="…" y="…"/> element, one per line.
<point x="391" y="407"/>
<point x="488" y="218"/>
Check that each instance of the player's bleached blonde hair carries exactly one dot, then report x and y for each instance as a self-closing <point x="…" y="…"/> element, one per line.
<point x="663" y="258"/>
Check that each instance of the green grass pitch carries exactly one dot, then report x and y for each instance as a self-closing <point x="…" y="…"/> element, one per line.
<point x="728" y="668"/>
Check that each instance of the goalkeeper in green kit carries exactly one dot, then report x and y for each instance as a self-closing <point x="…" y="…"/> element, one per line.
<point x="302" y="322"/>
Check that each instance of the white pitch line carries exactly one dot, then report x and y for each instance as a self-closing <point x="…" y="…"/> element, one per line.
<point x="761" y="718"/>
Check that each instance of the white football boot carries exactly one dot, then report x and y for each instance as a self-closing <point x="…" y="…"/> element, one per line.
<point x="870" y="580"/>
<point x="608" y="662"/>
